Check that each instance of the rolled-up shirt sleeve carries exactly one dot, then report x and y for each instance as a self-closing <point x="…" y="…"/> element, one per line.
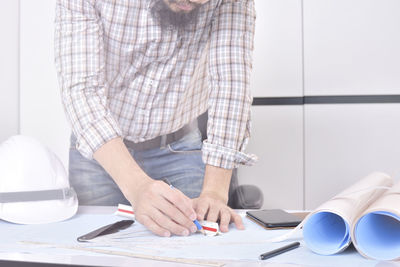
<point x="80" y="64"/>
<point x="230" y="63"/>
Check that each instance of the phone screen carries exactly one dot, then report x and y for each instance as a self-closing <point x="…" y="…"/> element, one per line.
<point x="274" y="218"/>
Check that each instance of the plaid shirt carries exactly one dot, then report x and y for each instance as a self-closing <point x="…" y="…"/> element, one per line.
<point x="122" y="75"/>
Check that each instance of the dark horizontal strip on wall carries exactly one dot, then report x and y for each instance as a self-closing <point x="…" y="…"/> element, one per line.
<point x="269" y="101"/>
<point x="344" y="99"/>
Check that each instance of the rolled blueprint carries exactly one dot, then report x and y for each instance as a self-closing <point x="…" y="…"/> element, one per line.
<point x="326" y="230"/>
<point x="376" y="231"/>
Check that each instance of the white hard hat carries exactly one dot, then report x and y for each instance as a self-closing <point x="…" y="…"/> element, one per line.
<point x="34" y="186"/>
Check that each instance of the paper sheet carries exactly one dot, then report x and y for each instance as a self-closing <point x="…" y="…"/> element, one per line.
<point x="367" y="213"/>
<point x="327" y="229"/>
<point x="238" y="245"/>
<point x="376" y="233"/>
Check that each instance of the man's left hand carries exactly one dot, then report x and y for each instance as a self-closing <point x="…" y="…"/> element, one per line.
<point x="210" y="207"/>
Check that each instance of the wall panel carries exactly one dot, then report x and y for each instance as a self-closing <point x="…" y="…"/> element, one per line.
<point x="345" y="143"/>
<point x="9" y="69"/>
<point x="277" y="64"/>
<point x="42" y="115"/>
<point x="351" y="47"/>
<point x="277" y="140"/>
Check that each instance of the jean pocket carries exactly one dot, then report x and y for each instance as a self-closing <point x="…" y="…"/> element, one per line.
<point x="190" y="143"/>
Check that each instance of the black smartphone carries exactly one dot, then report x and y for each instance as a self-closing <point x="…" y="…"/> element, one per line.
<point x="274" y="218"/>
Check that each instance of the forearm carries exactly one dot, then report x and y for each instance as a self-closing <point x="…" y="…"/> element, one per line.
<point x="217" y="181"/>
<point x="161" y="209"/>
<point x="115" y="158"/>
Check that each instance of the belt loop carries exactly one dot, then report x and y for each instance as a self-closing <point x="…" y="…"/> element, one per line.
<point x="163" y="142"/>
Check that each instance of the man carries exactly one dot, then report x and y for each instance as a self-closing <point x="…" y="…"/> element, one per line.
<point x="135" y="75"/>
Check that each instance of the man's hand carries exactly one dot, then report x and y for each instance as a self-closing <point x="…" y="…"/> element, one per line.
<point x="211" y="208"/>
<point x="211" y="205"/>
<point x="161" y="209"/>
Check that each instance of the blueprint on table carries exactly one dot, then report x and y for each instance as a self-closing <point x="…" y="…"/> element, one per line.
<point x="367" y="214"/>
<point x="244" y="245"/>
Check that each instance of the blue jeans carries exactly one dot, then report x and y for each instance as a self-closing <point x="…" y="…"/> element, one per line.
<point x="179" y="162"/>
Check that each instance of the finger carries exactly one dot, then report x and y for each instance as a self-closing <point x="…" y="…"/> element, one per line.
<point x="165" y="222"/>
<point x="195" y="204"/>
<point x="213" y="213"/>
<point x="202" y="209"/>
<point x="182" y="202"/>
<point x="152" y="226"/>
<point x="237" y="220"/>
<point x="176" y="215"/>
<point x="224" y="220"/>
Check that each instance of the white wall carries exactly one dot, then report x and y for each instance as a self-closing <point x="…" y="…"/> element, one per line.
<point x="277" y="139"/>
<point x="277" y="60"/>
<point x="277" y="135"/>
<point x="41" y="112"/>
<point x="350" y="48"/>
<point x="347" y="142"/>
<point x="9" y="69"/>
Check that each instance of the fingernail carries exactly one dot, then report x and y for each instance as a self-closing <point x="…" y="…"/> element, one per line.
<point x="193" y="229"/>
<point x="193" y="216"/>
<point x="185" y="232"/>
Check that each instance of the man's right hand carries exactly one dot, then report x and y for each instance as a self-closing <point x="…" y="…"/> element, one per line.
<point x="163" y="210"/>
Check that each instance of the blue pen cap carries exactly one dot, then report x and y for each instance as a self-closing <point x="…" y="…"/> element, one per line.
<point x="199" y="227"/>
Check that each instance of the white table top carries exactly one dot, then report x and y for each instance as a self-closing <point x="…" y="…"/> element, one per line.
<point x="12" y="233"/>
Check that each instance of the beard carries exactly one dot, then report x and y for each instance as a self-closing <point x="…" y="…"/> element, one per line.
<point x="166" y="17"/>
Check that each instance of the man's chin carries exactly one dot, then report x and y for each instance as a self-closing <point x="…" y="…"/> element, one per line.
<point x="175" y="15"/>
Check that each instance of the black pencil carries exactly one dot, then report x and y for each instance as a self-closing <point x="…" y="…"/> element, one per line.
<point x="278" y="251"/>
